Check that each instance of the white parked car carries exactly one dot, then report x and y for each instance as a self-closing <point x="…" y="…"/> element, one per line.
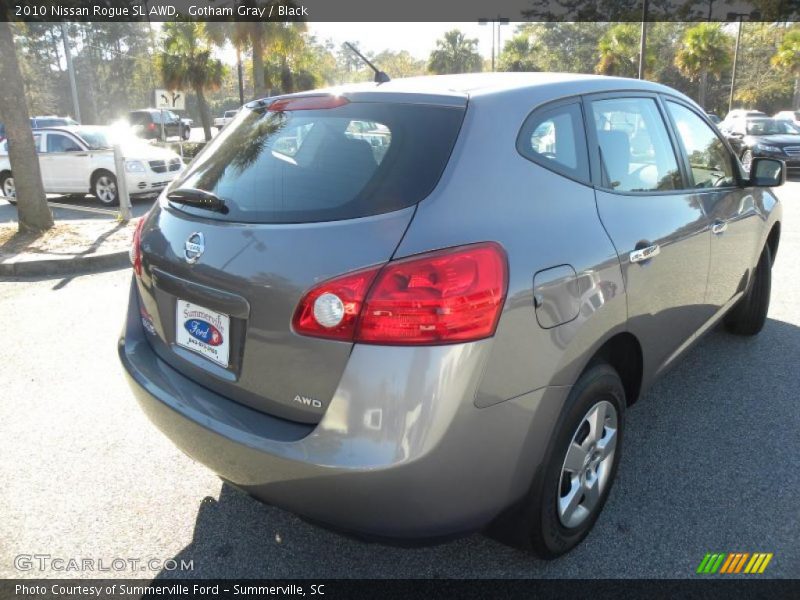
<point x="226" y="118"/>
<point x="793" y="116"/>
<point x="80" y="160"/>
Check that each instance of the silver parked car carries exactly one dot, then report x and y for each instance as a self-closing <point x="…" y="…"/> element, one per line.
<point x="438" y="325"/>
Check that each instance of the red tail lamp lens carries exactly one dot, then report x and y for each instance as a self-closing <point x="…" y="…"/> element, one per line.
<point x="453" y="295"/>
<point x="135" y="253"/>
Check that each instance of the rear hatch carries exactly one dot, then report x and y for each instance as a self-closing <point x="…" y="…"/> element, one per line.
<point x="313" y="187"/>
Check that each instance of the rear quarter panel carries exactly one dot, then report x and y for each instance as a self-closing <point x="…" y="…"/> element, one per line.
<point x="489" y="192"/>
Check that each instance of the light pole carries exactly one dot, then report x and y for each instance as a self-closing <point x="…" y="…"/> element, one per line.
<point x="497" y="22"/>
<point x="72" y="86"/>
<point x="734" y="16"/>
<point x="643" y="40"/>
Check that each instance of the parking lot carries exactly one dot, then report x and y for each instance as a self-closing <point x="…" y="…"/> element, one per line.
<point x="710" y="462"/>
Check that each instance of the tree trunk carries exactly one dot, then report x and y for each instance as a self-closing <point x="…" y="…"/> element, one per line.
<point x="701" y="99"/>
<point x="204" y="114"/>
<point x="259" y="88"/>
<point x="34" y="213"/>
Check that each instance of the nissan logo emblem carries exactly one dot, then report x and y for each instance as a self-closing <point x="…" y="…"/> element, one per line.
<point x="194" y="247"/>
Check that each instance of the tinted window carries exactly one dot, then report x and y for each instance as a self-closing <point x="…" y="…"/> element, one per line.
<point x="137" y="118"/>
<point x="554" y="138"/>
<point x="709" y="160"/>
<point x="316" y="165"/>
<point x="61" y="143"/>
<point x="769" y="127"/>
<point x="636" y="153"/>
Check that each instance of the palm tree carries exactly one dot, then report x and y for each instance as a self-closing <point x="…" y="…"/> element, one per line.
<point x="455" y="53"/>
<point x="619" y="51"/>
<point x="518" y="54"/>
<point x="186" y="61"/>
<point x="705" y="51"/>
<point x="788" y="58"/>
<point x="34" y="213"/>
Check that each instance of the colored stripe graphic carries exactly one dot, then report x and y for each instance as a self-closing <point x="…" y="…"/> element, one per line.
<point x="734" y="562"/>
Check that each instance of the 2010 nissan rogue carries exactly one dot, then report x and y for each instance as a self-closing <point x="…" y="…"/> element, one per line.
<point x="417" y="308"/>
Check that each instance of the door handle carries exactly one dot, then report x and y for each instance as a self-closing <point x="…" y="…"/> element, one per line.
<point x="718" y="227"/>
<point x="643" y="254"/>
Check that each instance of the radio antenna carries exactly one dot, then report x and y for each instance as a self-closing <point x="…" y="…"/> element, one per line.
<point x="380" y="76"/>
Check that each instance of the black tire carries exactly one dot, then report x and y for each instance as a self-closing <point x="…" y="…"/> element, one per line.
<point x="102" y="184"/>
<point x="3" y="178"/>
<point x="750" y="313"/>
<point x="549" y="537"/>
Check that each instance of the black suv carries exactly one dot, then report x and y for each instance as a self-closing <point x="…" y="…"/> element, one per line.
<point x="146" y="123"/>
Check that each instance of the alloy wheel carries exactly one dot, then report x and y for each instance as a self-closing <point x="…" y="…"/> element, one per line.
<point x="9" y="189"/>
<point x="106" y="189"/>
<point x="587" y="465"/>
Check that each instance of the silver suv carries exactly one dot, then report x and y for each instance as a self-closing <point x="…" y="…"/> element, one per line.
<point x="422" y="307"/>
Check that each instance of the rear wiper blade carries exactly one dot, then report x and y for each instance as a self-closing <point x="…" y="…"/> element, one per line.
<point x="198" y="198"/>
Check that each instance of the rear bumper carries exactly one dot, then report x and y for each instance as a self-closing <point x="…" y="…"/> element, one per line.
<point x="401" y="452"/>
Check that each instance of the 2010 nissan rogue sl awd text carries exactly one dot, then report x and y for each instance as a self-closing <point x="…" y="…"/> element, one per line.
<point x="419" y="308"/>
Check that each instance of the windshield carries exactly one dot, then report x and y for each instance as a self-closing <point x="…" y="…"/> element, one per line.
<point x="770" y="127"/>
<point x="104" y="138"/>
<point x="328" y="164"/>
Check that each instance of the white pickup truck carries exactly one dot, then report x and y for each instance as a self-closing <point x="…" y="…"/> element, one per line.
<point x="226" y="118"/>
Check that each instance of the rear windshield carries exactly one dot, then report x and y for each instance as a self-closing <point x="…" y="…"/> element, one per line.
<point x="302" y="166"/>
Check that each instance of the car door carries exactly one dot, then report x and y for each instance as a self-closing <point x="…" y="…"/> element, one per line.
<point x="732" y="210"/>
<point x="65" y="163"/>
<point x="660" y="232"/>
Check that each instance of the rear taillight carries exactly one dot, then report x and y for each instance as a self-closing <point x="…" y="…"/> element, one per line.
<point x="307" y="103"/>
<point x="135" y="252"/>
<point x="453" y="295"/>
<point x="151" y="126"/>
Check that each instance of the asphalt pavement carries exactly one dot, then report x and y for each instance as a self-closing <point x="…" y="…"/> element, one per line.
<point x="710" y="462"/>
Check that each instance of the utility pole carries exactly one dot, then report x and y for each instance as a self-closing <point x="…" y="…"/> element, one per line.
<point x="239" y="72"/>
<point x="497" y="22"/>
<point x="755" y="16"/>
<point x="643" y="40"/>
<point x="75" y="107"/>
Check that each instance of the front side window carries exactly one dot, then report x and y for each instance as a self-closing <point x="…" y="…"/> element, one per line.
<point x="555" y="138"/>
<point x="61" y="143"/>
<point x="635" y="149"/>
<point x="709" y="160"/>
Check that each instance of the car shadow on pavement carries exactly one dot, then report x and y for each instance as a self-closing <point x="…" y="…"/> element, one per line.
<point x="709" y="463"/>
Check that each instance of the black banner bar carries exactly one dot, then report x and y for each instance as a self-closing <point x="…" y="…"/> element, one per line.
<point x="407" y="10"/>
<point x="128" y="589"/>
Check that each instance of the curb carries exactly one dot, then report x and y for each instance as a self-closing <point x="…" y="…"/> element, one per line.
<point x="66" y="266"/>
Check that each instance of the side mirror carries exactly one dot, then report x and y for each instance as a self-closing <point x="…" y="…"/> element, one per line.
<point x="767" y="172"/>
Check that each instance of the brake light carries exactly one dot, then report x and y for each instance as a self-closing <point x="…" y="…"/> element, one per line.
<point x="135" y="252"/>
<point x="453" y="295"/>
<point x="151" y="126"/>
<point x="307" y="103"/>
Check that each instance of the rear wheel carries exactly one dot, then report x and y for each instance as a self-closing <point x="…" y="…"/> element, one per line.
<point x="8" y="188"/>
<point x="750" y="313"/>
<point x="104" y="188"/>
<point x="582" y="463"/>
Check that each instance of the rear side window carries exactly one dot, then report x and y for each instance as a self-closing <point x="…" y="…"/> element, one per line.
<point x="302" y="166"/>
<point x="709" y="160"/>
<point x="636" y="152"/>
<point x="555" y="138"/>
